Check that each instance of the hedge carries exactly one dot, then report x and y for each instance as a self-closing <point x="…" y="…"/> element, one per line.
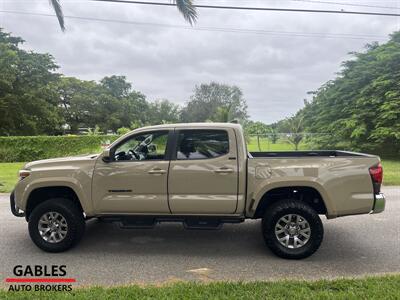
<point x="29" y="148"/>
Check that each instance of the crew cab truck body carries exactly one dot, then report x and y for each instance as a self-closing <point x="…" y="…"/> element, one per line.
<point x="202" y="175"/>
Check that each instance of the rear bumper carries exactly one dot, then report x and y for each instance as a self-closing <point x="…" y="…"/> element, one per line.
<point x="14" y="209"/>
<point x="379" y="204"/>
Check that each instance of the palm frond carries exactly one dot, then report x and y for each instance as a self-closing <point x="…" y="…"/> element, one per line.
<point x="187" y="10"/>
<point x="59" y="13"/>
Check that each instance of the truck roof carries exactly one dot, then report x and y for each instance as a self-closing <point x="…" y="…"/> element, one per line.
<point x="195" y="125"/>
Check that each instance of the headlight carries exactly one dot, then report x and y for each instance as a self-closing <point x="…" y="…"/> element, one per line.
<point x="23" y="174"/>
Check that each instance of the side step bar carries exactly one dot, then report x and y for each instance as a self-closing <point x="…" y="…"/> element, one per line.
<point x="189" y="222"/>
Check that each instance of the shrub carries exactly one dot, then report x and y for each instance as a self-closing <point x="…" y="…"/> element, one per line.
<point x="29" y="148"/>
<point x="123" y="130"/>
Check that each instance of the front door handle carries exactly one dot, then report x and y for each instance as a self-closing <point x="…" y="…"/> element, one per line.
<point x="157" y="171"/>
<point x="223" y="170"/>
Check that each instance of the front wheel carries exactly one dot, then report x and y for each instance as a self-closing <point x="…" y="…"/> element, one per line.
<point x="56" y="225"/>
<point x="292" y="229"/>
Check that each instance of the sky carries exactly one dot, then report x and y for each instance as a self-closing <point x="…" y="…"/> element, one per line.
<point x="276" y="58"/>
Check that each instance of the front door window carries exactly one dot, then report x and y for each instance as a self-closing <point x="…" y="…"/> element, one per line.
<point x="146" y="146"/>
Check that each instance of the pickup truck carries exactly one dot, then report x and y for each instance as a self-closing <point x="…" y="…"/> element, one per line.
<point x="202" y="175"/>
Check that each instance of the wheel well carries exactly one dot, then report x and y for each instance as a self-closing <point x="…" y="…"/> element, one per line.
<point x="40" y="195"/>
<point x="301" y="193"/>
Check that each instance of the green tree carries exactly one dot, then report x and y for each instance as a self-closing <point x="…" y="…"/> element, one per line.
<point x="258" y="129"/>
<point x="117" y="86"/>
<point x="135" y="109"/>
<point x="222" y="114"/>
<point x="273" y="133"/>
<point x="216" y="102"/>
<point x="360" y="109"/>
<point x="28" y="99"/>
<point x="77" y="100"/>
<point x="112" y="104"/>
<point x="163" y="111"/>
<point x="295" y="132"/>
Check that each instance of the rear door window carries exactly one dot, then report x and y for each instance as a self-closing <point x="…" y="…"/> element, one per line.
<point x="202" y="144"/>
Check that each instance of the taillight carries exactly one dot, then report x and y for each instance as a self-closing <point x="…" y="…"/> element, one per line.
<point x="376" y="173"/>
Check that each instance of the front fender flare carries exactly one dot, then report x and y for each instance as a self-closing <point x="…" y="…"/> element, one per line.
<point x="69" y="182"/>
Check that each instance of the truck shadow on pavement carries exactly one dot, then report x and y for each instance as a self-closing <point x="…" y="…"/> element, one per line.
<point x="239" y="240"/>
<point x="172" y="238"/>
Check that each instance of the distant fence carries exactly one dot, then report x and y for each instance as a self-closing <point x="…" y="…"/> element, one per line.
<point x="283" y="141"/>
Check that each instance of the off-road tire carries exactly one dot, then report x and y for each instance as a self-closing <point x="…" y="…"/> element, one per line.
<point x="74" y="219"/>
<point x="285" y="207"/>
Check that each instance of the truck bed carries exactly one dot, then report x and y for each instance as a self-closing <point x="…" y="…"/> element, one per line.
<point x="341" y="178"/>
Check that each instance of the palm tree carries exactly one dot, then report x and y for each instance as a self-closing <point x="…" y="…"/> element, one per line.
<point x="295" y="130"/>
<point x="185" y="7"/>
<point x="59" y="13"/>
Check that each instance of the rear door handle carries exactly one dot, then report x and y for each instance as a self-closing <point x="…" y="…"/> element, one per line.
<point x="157" y="171"/>
<point x="223" y="170"/>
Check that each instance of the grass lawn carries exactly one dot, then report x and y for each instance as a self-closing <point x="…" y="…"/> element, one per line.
<point x="264" y="144"/>
<point x="382" y="287"/>
<point x="391" y="171"/>
<point x="8" y="176"/>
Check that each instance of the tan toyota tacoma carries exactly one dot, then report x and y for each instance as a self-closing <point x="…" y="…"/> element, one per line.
<point x="203" y="176"/>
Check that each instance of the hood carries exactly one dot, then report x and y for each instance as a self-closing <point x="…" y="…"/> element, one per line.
<point x="61" y="160"/>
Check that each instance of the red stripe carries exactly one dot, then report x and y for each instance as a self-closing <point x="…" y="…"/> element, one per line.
<point x="40" y="280"/>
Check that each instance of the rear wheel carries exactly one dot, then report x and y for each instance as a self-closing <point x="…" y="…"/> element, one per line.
<point x="292" y="229"/>
<point x="56" y="225"/>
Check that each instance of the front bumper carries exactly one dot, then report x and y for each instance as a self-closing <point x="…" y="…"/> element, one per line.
<point x="379" y="205"/>
<point x="14" y="209"/>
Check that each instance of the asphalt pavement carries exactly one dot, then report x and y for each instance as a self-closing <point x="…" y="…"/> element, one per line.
<point x="107" y="255"/>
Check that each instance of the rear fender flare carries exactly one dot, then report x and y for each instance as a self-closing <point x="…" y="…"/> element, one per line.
<point x="258" y="196"/>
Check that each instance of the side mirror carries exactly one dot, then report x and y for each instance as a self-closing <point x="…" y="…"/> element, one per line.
<point x="106" y="155"/>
